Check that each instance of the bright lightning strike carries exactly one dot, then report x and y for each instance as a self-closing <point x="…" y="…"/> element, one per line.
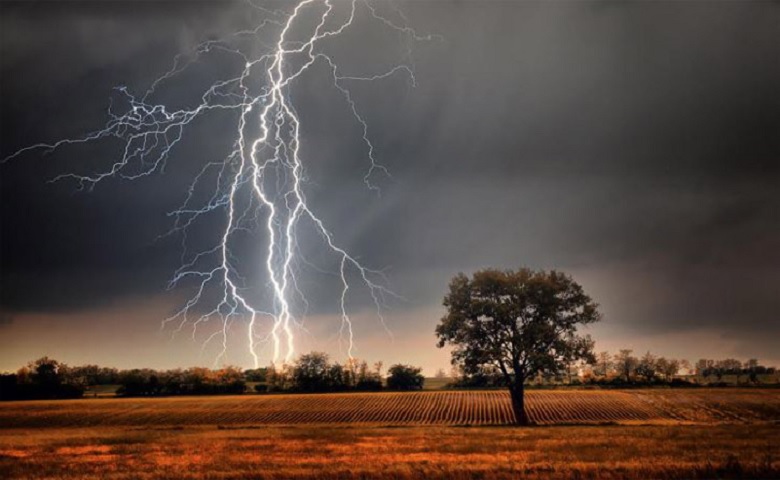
<point x="260" y="183"/>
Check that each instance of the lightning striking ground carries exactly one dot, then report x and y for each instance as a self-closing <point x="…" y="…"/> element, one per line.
<point x="260" y="183"/>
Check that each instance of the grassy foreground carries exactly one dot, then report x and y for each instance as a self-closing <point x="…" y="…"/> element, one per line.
<point x="341" y="452"/>
<point x="663" y="434"/>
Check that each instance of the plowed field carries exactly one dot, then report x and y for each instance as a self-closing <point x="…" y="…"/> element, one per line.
<point x="706" y="406"/>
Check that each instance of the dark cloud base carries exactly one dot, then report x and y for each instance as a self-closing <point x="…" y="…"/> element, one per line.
<point x="573" y="135"/>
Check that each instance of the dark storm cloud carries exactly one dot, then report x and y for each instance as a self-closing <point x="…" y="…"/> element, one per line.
<point x="639" y="140"/>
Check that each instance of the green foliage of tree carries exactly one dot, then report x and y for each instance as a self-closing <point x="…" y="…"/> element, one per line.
<point x="523" y="322"/>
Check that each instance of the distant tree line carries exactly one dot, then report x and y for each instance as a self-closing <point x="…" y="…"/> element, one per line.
<point x="314" y="372"/>
<point x="191" y="381"/>
<point x="47" y="378"/>
<point x="40" y="379"/>
<point x="626" y="369"/>
<point x="718" y="368"/>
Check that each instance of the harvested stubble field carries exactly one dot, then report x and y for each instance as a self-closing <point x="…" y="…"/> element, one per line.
<point x="545" y="407"/>
<point x="721" y="433"/>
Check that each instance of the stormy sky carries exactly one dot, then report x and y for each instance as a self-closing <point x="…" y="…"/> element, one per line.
<point x="635" y="145"/>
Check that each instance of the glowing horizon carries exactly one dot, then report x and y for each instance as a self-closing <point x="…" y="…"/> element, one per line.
<point x="264" y="175"/>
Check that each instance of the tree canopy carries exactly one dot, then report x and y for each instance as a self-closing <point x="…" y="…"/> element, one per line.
<point x="520" y="321"/>
<point x="405" y="377"/>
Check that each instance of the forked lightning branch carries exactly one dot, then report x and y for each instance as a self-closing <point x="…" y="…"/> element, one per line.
<point x="260" y="184"/>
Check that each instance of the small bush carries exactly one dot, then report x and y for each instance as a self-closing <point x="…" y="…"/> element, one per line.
<point x="405" y="377"/>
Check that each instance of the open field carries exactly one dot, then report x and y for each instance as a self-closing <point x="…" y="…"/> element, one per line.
<point x="433" y="383"/>
<point x="707" y="433"/>
<point x="359" y="452"/>
<point x="545" y="407"/>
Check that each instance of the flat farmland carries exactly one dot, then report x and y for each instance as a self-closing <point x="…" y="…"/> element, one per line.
<point x="545" y="407"/>
<point x="666" y="434"/>
<point x="331" y="452"/>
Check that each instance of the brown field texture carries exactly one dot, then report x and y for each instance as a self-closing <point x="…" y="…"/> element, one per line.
<point x="330" y="452"/>
<point x="599" y="435"/>
<point x="545" y="407"/>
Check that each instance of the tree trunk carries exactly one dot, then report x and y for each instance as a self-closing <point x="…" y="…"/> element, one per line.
<point x="517" y="391"/>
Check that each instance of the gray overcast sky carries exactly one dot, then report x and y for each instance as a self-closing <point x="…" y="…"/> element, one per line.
<point x="635" y="145"/>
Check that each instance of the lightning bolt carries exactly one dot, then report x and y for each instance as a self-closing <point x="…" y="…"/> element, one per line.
<point x="261" y="183"/>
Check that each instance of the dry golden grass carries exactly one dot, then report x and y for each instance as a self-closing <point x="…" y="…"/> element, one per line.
<point x="341" y="452"/>
<point x="649" y="434"/>
<point x="548" y="407"/>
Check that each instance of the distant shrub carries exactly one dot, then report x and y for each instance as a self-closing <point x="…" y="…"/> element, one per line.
<point x="486" y="377"/>
<point x="369" y="385"/>
<point x="256" y="375"/>
<point x="680" y="383"/>
<point x="405" y="377"/>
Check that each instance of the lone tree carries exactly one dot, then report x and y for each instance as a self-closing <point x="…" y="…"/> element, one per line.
<point x="522" y="322"/>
